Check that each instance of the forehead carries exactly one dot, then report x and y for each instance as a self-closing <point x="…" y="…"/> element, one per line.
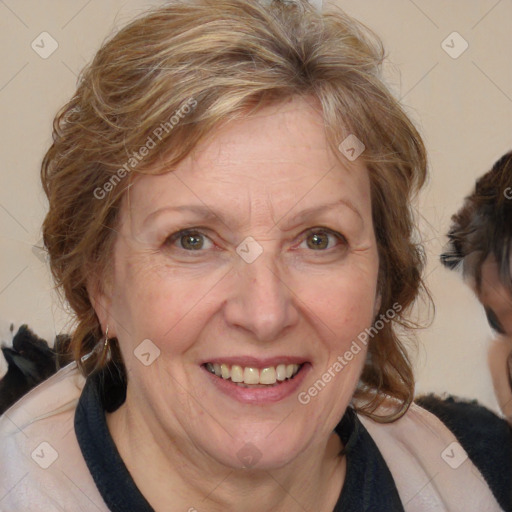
<point x="278" y="154"/>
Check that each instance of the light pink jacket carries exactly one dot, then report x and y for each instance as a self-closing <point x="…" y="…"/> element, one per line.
<point x="42" y="468"/>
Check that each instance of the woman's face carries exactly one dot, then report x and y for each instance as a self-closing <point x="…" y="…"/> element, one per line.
<point x="253" y="258"/>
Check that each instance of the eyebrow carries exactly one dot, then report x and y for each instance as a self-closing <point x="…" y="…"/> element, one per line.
<point x="314" y="210"/>
<point x="200" y="211"/>
<point x="206" y="213"/>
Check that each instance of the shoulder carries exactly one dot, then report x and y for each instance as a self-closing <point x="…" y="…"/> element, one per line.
<point x="470" y="421"/>
<point x="41" y="459"/>
<point x="486" y="438"/>
<point x="430" y="464"/>
<point x="53" y="398"/>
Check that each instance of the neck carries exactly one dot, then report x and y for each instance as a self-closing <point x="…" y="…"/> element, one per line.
<point x="180" y="477"/>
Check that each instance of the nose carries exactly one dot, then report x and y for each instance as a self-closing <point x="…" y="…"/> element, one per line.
<point x="260" y="302"/>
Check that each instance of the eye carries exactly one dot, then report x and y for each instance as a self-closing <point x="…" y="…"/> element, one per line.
<point x="493" y="321"/>
<point x="190" y="240"/>
<point x="321" y="239"/>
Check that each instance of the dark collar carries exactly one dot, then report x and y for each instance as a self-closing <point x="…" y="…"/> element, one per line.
<point x="368" y="485"/>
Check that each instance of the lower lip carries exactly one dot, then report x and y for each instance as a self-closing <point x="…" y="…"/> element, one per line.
<point x="260" y="395"/>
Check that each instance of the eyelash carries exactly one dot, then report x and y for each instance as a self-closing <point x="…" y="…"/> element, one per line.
<point x="493" y="321"/>
<point x="197" y="231"/>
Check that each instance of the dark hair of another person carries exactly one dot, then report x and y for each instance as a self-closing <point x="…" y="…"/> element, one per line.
<point x="483" y="226"/>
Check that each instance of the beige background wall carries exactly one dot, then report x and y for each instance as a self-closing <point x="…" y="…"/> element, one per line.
<point x="463" y="107"/>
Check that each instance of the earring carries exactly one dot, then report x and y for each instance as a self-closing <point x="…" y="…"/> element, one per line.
<point x="104" y="354"/>
<point x="510" y="370"/>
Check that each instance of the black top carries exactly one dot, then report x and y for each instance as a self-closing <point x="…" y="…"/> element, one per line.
<point x="368" y="484"/>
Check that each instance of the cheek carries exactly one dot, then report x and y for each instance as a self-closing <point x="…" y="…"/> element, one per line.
<point x="152" y="302"/>
<point x="344" y="301"/>
<point x="343" y="318"/>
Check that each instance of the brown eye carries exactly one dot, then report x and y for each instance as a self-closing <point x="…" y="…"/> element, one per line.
<point x="190" y="241"/>
<point x="320" y="240"/>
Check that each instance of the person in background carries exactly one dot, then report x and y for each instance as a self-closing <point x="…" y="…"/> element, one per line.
<point x="480" y="243"/>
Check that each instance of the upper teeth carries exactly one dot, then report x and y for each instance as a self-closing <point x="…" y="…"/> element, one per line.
<point x="249" y="375"/>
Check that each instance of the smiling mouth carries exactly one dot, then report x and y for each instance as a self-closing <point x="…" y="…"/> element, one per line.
<point x="249" y="377"/>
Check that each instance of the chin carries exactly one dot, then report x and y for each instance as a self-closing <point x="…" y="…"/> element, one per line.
<point x="257" y="451"/>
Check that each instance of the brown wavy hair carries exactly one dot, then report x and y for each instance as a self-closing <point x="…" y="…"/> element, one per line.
<point x="230" y="57"/>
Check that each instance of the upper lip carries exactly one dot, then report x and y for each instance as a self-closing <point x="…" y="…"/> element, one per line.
<point x="256" y="362"/>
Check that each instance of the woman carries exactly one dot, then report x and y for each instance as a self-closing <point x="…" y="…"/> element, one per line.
<point x="229" y="219"/>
